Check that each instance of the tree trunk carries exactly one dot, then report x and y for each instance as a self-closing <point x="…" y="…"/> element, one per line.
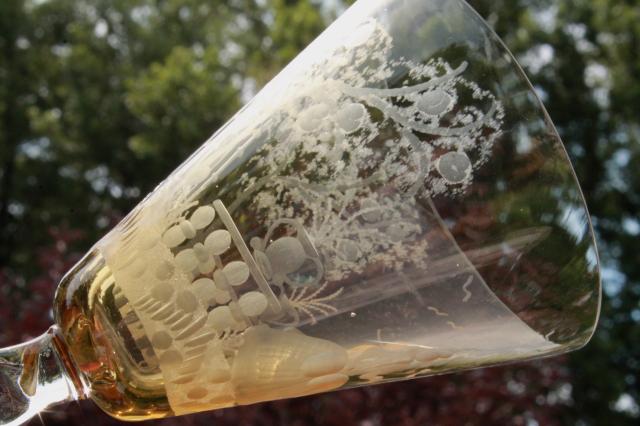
<point x="10" y="131"/>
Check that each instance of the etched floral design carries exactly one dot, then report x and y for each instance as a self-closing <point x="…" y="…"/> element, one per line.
<point x="351" y="156"/>
<point x="346" y="160"/>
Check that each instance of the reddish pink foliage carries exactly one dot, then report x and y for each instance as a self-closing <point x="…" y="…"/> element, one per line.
<point x="27" y="306"/>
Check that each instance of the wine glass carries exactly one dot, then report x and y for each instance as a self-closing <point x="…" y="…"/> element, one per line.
<point x="396" y="203"/>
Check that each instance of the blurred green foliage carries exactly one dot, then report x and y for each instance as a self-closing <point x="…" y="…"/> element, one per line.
<point x="101" y="99"/>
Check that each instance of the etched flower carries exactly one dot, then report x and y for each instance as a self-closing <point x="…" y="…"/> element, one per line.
<point x="435" y="102"/>
<point x="313" y="118"/>
<point x="351" y="117"/>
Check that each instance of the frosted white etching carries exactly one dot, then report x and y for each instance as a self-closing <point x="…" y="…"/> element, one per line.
<point x="342" y="168"/>
<point x="350" y="156"/>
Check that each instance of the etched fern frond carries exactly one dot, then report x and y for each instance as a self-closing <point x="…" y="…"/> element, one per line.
<point x="311" y="303"/>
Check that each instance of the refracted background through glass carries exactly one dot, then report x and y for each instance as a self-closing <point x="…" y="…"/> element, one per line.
<point x="395" y="204"/>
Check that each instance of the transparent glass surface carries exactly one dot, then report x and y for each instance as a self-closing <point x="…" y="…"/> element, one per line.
<point x="396" y="203"/>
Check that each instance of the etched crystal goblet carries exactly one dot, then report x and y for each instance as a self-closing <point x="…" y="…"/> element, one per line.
<point x="396" y="203"/>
